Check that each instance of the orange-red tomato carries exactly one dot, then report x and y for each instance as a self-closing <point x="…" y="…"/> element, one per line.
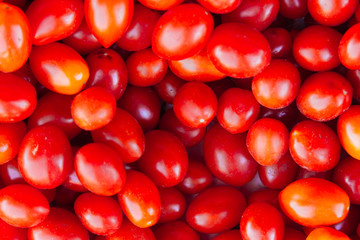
<point x="326" y="233"/>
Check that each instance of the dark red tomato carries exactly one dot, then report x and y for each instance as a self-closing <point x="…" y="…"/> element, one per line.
<point x="262" y="221"/>
<point x="293" y="234"/>
<point x="316" y="48"/>
<point x="238" y="50"/>
<point x="304" y="173"/>
<point x="100" y="169"/>
<point x="182" y="31"/>
<point x="45" y="157"/>
<point x="346" y="175"/>
<point x="115" y="18"/>
<point x="26" y="73"/>
<point x="288" y="115"/>
<point x="176" y="231"/>
<point x="168" y="87"/>
<point x="140" y="199"/>
<point x="188" y="135"/>
<point x="54" y="109"/>
<point x="196" y="68"/>
<point x="160" y="4"/>
<point x="229" y="235"/>
<point x="22" y="206"/>
<point x="9" y="232"/>
<point x="314" y="146"/>
<point x="349" y="224"/>
<point x="51" y="21"/>
<point x="82" y="40"/>
<point x="10" y="173"/>
<point x="348" y="48"/>
<point x="165" y="158"/>
<point x="107" y="70"/>
<point x="173" y="204"/>
<point x="197" y="178"/>
<point x="324" y="96"/>
<point x="60" y="224"/>
<point x="237" y="110"/>
<point x="332" y="12"/>
<point x="15" y="39"/>
<point x="220" y="7"/>
<point x="256" y="13"/>
<point x="99" y="214"/>
<point x="65" y="197"/>
<point x="195" y="104"/>
<point x="93" y="108"/>
<point x="353" y="76"/>
<point x="327" y="233"/>
<point x="145" y="68"/>
<point x="216" y="209"/>
<point x="266" y="195"/>
<point x="220" y="86"/>
<point x="17" y="98"/>
<point x="124" y="134"/>
<point x="348" y="131"/>
<point x="280" y="174"/>
<point x="138" y="34"/>
<point x="143" y="104"/>
<point x="18" y="3"/>
<point x="280" y="42"/>
<point x="267" y="141"/>
<point x="278" y="85"/>
<point x="11" y="135"/>
<point x="59" y="68"/>
<point x="311" y="202"/>
<point x="227" y="156"/>
<point x="73" y="183"/>
<point x="293" y="9"/>
<point x="129" y="231"/>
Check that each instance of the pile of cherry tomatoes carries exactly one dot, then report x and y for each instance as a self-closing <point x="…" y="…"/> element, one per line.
<point x="179" y="119"/>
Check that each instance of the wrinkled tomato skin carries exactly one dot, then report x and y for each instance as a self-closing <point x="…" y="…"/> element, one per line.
<point x="16" y="40"/>
<point x="310" y="202"/>
<point x="349" y="43"/>
<point x="175" y="230"/>
<point x="11" y="135"/>
<point x="326" y="233"/>
<point x="65" y="15"/>
<point x="129" y="231"/>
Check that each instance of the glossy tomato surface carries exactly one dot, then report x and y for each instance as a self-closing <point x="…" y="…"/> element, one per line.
<point x="11" y="135"/>
<point x="175" y="230"/>
<point x="129" y="231"/>
<point x="348" y="54"/>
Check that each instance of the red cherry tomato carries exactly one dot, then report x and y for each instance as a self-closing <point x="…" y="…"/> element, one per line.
<point x="140" y="200"/>
<point x="168" y="87"/>
<point x="129" y="231"/>
<point x="229" y="235"/>
<point x="99" y="214"/>
<point x="160" y="4"/>
<point x="195" y="104"/>
<point x="353" y="76"/>
<point x="293" y="9"/>
<point x="52" y="21"/>
<point x="173" y="204"/>
<point x="324" y="96"/>
<point x="216" y="209"/>
<point x="60" y="224"/>
<point x="11" y="135"/>
<point x="175" y="230"/>
<point x="311" y="202"/>
<point x="100" y="169"/>
<point x="73" y="183"/>
<point x="108" y="20"/>
<point x="182" y="31"/>
<point x="9" y="232"/>
<point x="262" y="221"/>
<point x="238" y="50"/>
<point x="15" y="39"/>
<point x="280" y="42"/>
<point x="327" y="233"/>
<point x="293" y="234"/>
<point x="220" y="7"/>
<point x="10" y="173"/>
<point x="59" y="68"/>
<point x="45" y="157"/>
<point x="349" y="43"/>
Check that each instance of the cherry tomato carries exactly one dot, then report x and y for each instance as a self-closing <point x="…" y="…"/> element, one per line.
<point x="182" y="31"/>
<point x="59" y="68"/>
<point x="353" y="76"/>
<point x="326" y="233"/>
<point x="220" y="7"/>
<point x="129" y="231"/>
<point x="280" y="42"/>
<point x="140" y="200"/>
<point x="311" y="202"/>
<point x="293" y="9"/>
<point x="168" y="87"/>
<point x="160" y="4"/>
<point x="11" y="135"/>
<point x="262" y="221"/>
<point x="238" y="50"/>
<point x="60" y="224"/>
<point x="173" y="204"/>
<point x="229" y="235"/>
<point x="220" y="86"/>
<point x="45" y="157"/>
<point x="216" y="209"/>
<point x="15" y="39"/>
<point x="100" y="169"/>
<point x="73" y="183"/>
<point x="51" y="21"/>
<point x="324" y="96"/>
<point x="9" y="232"/>
<point x="108" y="20"/>
<point x="10" y="173"/>
<point x="288" y="115"/>
<point x="293" y="234"/>
<point x="348" y="54"/>
<point x="349" y="224"/>
<point x="175" y="230"/>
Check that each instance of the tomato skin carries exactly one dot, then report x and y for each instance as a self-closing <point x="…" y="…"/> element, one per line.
<point x="160" y="4"/>
<point x="11" y="135"/>
<point x="99" y="214"/>
<point x="317" y="197"/>
<point x="216" y="209"/>
<point x="116" y="17"/>
<point x="173" y="204"/>
<point x="23" y="206"/>
<point x="129" y="231"/>
<point x="168" y="87"/>
<point x="45" y="157"/>
<point x="324" y="96"/>
<point x="59" y="68"/>
<point x="238" y="50"/>
<point x="349" y="43"/>
<point x="60" y="224"/>
<point x="16" y="40"/>
<point x="327" y="233"/>
<point x="293" y="9"/>
<point x="174" y="35"/>
<point x="93" y="163"/>
<point x="280" y="42"/>
<point x="9" y="232"/>
<point x="293" y="234"/>
<point x="140" y="200"/>
<point x="65" y="15"/>
<point x="229" y="235"/>
<point x="165" y="159"/>
<point x="175" y="230"/>
<point x="10" y="174"/>
<point x="220" y="7"/>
